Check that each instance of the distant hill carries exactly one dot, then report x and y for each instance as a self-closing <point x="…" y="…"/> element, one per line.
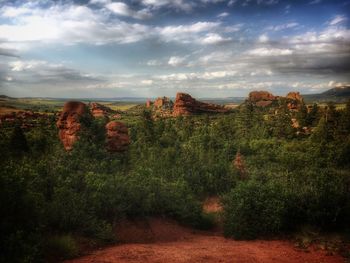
<point x="338" y="94"/>
<point x="4" y="97"/>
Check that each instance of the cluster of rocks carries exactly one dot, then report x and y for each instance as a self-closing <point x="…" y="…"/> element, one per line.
<point x="70" y="124"/>
<point x="184" y="105"/>
<point x="265" y="98"/>
<point x="27" y="119"/>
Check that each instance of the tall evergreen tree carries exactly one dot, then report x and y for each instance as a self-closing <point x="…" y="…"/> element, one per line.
<point x="18" y="141"/>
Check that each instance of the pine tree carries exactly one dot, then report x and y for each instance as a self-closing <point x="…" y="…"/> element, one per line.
<point x="302" y="115"/>
<point x="18" y="141"/>
<point x="312" y="116"/>
<point x="239" y="164"/>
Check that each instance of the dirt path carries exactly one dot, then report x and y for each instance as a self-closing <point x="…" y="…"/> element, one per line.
<point x="164" y="241"/>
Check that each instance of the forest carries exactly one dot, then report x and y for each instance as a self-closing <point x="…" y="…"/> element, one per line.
<point x="272" y="178"/>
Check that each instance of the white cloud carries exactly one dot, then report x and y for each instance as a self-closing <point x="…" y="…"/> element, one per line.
<point x="123" y="9"/>
<point x="147" y="82"/>
<point x="224" y="14"/>
<point x="154" y="62"/>
<point x="283" y="26"/>
<point x="189" y="33"/>
<point x="213" y="38"/>
<point x="13" y="12"/>
<point x="177" y="4"/>
<point x="103" y="2"/>
<point x="337" y="20"/>
<point x="25" y="65"/>
<point x="176" y="61"/>
<point x="72" y="24"/>
<point x="263" y="38"/>
<point x="270" y="52"/>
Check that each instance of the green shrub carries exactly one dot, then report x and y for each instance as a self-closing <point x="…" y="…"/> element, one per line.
<point x="61" y="247"/>
<point x="253" y="209"/>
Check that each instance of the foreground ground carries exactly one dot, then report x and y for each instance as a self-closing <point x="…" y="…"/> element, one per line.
<point x="161" y="240"/>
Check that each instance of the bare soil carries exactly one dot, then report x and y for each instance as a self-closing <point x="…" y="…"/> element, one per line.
<point x="159" y="240"/>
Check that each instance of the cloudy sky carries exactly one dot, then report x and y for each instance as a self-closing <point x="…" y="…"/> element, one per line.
<point x="149" y="48"/>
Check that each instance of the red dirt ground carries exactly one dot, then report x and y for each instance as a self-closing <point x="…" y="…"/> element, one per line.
<point x="164" y="241"/>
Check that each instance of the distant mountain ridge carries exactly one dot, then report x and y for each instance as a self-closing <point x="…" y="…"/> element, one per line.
<point x="337" y="94"/>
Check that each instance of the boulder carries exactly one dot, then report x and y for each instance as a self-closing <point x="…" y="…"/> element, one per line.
<point x="99" y="110"/>
<point x="186" y="105"/>
<point x="117" y="136"/>
<point x="69" y="122"/>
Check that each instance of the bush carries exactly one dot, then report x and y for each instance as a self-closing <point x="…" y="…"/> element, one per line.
<point x="253" y="209"/>
<point x="61" y="247"/>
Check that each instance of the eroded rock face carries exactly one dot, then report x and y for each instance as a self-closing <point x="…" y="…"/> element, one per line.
<point x="69" y="122"/>
<point x="99" y="110"/>
<point x="163" y="107"/>
<point x="294" y="96"/>
<point x="164" y="103"/>
<point x="149" y="104"/>
<point x="118" y="138"/>
<point x="186" y="105"/>
<point x="294" y="100"/>
<point x="265" y="99"/>
<point x="256" y="96"/>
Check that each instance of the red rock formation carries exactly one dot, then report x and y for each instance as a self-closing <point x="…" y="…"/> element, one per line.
<point x="256" y="96"/>
<point x="69" y="122"/>
<point x="239" y="164"/>
<point x="117" y="137"/>
<point x="294" y="100"/>
<point x="294" y="96"/>
<point x="117" y="116"/>
<point x="163" y="102"/>
<point x="149" y="104"/>
<point x="99" y="110"/>
<point x="163" y="107"/>
<point x="186" y="105"/>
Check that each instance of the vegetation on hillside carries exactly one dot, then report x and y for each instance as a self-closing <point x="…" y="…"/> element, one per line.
<point x="291" y="178"/>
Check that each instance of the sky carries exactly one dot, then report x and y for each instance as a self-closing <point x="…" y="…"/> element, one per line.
<point x="150" y="48"/>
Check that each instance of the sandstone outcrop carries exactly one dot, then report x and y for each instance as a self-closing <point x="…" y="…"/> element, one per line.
<point x="163" y="103"/>
<point x="117" y="137"/>
<point x="294" y="100"/>
<point x="99" y="110"/>
<point x="149" y="104"/>
<point x="163" y="107"/>
<point x="69" y="122"/>
<point x="294" y="96"/>
<point x="265" y="98"/>
<point x="256" y="96"/>
<point x="261" y="98"/>
<point x="186" y="105"/>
